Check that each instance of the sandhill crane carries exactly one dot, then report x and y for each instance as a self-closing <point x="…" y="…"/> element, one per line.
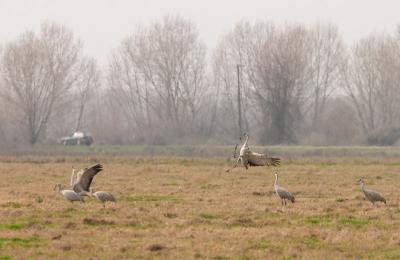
<point x="103" y="196"/>
<point x="249" y="158"/>
<point x="68" y="194"/>
<point x="282" y="192"/>
<point x="81" y="183"/>
<point x="371" y="195"/>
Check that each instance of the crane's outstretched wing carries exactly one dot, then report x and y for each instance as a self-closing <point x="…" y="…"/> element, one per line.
<point x="73" y="177"/>
<point x="85" y="179"/>
<point x="235" y="152"/>
<point x="258" y="159"/>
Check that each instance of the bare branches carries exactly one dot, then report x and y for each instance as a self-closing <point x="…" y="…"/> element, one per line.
<point x="296" y="82"/>
<point x="371" y="80"/>
<point x="39" y="71"/>
<point x="159" y="72"/>
<point x="327" y="53"/>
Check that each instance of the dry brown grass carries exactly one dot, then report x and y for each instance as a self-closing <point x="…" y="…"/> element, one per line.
<point x="172" y="208"/>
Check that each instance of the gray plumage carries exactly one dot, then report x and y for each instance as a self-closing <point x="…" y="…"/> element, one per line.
<point x="68" y="194"/>
<point x="371" y="195"/>
<point x="103" y="196"/>
<point x="282" y="192"/>
<point x="249" y="158"/>
<point x="81" y="183"/>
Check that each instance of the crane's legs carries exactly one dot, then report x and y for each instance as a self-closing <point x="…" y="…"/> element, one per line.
<point x="236" y="164"/>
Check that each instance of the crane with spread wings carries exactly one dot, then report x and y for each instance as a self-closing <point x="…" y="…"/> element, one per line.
<point x="249" y="158"/>
<point x="81" y="180"/>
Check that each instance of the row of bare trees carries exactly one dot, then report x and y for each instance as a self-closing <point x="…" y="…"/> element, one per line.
<point x="158" y="78"/>
<point x="298" y="84"/>
<point x="41" y="76"/>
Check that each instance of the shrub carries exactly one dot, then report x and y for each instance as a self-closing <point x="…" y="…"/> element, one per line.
<point x="387" y="136"/>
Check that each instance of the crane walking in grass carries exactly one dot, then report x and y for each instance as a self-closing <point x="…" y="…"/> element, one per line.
<point x="103" y="196"/>
<point x="371" y="195"/>
<point x="68" y="194"/>
<point x="282" y="192"/>
<point x="248" y="158"/>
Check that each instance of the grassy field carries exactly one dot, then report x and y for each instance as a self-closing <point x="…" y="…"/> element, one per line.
<point x="202" y="150"/>
<point x="184" y="208"/>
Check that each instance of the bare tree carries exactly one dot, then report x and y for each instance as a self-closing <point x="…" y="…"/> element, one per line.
<point x="280" y="80"/>
<point x="130" y="90"/>
<point x="230" y="66"/>
<point x="86" y="86"/>
<point x="370" y="78"/>
<point x="38" y="72"/>
<point x="159" y="75"/>
<point x="277" y="76"/>
<point x="327" y="49"/>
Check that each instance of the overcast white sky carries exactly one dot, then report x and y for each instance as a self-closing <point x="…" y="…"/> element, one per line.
<point x="102" y="24"/>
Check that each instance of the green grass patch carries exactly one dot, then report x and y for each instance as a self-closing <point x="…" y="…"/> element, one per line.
<point x="19" y="242"/>
<point x="263" y="245"/>
<point x="5" y="257"/>
<point x="11" y="204"/>
<point x="150" y="198"/>
<point x="355" y="222"/>
<point x="311" y="241"/>
<point x="319" y="220"/>
<point x="12" y="226"/>
<point x="208" y="216"/>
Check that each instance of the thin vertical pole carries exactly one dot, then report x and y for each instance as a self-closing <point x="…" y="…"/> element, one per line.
<point x="239" y="100"/>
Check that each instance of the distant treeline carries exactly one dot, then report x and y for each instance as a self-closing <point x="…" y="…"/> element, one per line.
<point x="298" y="85"/>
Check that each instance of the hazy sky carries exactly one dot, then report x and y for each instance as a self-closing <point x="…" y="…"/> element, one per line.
<point x="102" y="24"/>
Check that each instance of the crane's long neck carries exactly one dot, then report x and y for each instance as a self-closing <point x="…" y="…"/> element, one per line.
<point x="362" y="185"/>
<point x="73" y="177"/>
<point x="59" y="189"/>
<point x="245" y="142"/>
<point x="276" y="179"/>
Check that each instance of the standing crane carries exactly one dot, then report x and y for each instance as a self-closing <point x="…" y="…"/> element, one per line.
<point x="103" y="196"/>
<point x="68" y="194"/>
<point x="248" y="158"/>
<point x="371" y="195"/>
<point x="282" y="192"/>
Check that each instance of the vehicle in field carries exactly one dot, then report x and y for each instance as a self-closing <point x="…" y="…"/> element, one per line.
<point x="77" y="138"/>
